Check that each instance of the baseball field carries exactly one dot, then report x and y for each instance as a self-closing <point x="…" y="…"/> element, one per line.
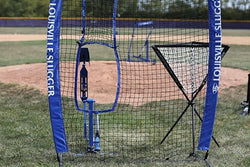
<point x="25" y="133"/>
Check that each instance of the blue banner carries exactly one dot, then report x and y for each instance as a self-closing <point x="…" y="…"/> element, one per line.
<point x="213" y="79"/>
<point x="53" y="76"/>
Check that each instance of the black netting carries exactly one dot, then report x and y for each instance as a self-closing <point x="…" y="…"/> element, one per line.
<point x="150" y="100"/>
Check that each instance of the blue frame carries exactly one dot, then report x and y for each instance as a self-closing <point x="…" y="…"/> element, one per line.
<point x="81" y="44"/>
<point x="53" y="76"/>
<point x="53" y="71"/>
<point x="137" y="25"/>
<point x="215" y="47"/>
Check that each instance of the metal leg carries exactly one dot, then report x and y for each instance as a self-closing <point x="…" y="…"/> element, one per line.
<point x="193" y="128"/>
<point x="91" y="125"/>
<point x="60" y="160"/>
<point x="248" y="94"/>
<point x="176" y="122"/>
<point x="192" y="91"/>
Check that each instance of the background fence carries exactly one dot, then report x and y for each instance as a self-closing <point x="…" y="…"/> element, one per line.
<point x="173" y="23"/>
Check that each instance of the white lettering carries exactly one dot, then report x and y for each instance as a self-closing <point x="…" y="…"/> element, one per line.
<point x="50" y="49"/>
<point x="217" y="27"/>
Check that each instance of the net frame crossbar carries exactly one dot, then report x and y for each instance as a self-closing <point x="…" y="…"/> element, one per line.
<point x="191" y="101"/>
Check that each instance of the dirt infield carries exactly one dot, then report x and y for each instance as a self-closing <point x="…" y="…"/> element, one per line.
<point x="233" y="40"/>
<point x="21" y="37"/>
<point x="35" y="75"/>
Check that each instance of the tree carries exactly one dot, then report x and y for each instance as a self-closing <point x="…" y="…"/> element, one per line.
<point x="180" y="9"/>
<point x="185" y="9"/>
<point x="243" y="4"/>
<point x="126" y="9"/>
<point x="24" y="8"/>
<point x="224" y="3"/>
<point x="41" y="8"/>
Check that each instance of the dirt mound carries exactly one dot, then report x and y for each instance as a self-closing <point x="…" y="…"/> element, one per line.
<point x="103" y="85"/>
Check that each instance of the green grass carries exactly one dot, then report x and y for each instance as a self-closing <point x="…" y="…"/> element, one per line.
<point x="232" y="130"/>
<point x="26" y="138"/>
<point x="101" y="53"/>
<point x="43" y="30"/>
<point x="13" y="53"/>
<point x="236" y="32"/>
<point x="23" y="30"/>
<point x="238" y="56"/>
<point x="28" y="52"/>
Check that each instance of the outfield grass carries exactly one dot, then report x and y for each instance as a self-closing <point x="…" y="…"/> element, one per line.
<point x="28" y="52"/>
<point x="238" y="56"/>
<point x="43" y="30"/>
<point x="236" y="32"/>
<point x="13" y="53"/>
<point x="23" y="30"/>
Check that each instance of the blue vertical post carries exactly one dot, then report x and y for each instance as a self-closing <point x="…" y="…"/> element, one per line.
<point x="85" y="120"/>
<point x="91" y="124"/>
<point x="131" y="42"/>
<point x="213" y="76"/>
